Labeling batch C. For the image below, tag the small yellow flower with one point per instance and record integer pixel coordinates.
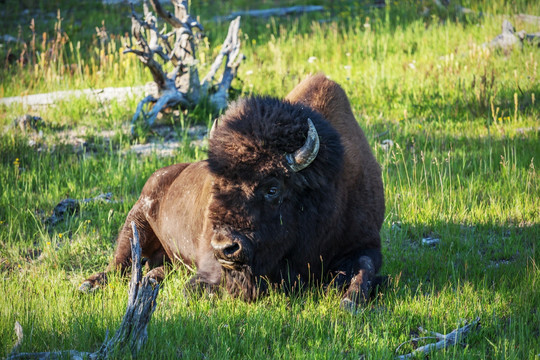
(48, 243)
(60, 235)
(19, 265)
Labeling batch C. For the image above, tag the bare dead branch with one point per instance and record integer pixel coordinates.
(132, 333)
(146, 55)
(230, 43)
(292, 10)
(19, 332)
(443, 341)
(168, 99)
(166, 15)
(533, 19)
(143, 292)
(231, 51)
(180, 86)
(67, 354)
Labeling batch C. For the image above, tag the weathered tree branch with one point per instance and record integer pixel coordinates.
(143, 292)
(181, 86)
(132, 333)
(231, 51)
(443, 341)
(265, 13)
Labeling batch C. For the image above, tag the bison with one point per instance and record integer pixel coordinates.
(290, 194)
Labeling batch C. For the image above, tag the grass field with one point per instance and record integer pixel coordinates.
(464, 121)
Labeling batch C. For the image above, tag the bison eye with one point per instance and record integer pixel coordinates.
(271, 193)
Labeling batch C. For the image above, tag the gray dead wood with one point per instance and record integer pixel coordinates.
(443, 341)
(132, 333)
(265, 13)
(533, 19)
(69, 207)
(507, 38)
(181, 85)
(533, 38)
(50, 99)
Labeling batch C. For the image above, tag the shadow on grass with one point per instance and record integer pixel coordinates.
(474, 253)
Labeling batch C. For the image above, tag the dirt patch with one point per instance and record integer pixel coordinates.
(164, 140)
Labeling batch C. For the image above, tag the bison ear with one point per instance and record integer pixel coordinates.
(213, 129)
(304, 156)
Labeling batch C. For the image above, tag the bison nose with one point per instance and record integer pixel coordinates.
(228, 251)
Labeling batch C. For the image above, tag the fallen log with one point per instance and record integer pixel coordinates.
(533, 19)
(99, 95)
(266, 13)
(132, 333)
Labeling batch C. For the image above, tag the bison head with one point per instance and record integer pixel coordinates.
(276, 167)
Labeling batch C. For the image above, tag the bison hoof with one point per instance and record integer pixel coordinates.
(88, 287)
(349, 305)
(157, 275)
(93, 283)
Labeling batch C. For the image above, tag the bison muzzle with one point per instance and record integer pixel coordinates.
(290, 194)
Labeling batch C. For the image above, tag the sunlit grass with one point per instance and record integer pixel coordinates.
(462, 168)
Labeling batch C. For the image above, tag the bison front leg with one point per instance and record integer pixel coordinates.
(150, 246)
(359, 275)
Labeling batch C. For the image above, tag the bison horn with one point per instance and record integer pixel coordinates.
(213, 129)
(302, 157)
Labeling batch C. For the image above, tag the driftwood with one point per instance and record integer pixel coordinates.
(180, 86)
(443, 341)
(265, 13)
(533, 19)
(132, 333)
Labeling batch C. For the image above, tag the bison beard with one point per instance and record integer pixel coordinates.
(243, 284)
(290, 194)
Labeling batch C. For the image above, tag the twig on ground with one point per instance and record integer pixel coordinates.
(443, 341)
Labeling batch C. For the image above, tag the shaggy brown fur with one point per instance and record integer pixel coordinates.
(245, 218)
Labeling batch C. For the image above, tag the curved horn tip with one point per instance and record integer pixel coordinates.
(213, 129)
(304, 156)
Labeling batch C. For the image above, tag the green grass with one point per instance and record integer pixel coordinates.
(465, 125)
